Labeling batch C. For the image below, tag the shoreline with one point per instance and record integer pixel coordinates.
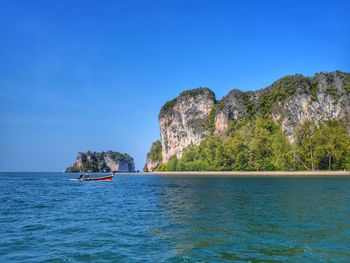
(253, 173)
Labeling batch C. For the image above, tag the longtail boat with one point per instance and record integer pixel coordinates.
(104, 178)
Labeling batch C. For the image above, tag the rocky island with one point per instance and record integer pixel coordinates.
(102, 162)
(296, 123)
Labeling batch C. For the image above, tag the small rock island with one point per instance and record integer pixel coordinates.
(102, 162)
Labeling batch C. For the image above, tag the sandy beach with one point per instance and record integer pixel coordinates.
(260, 173)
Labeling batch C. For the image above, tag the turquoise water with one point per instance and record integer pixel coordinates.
(45, 217)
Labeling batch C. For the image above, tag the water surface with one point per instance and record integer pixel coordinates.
(45, 217)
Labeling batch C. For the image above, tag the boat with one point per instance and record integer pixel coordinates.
(104, 178)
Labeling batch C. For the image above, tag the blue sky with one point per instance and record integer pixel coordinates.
(92, 75)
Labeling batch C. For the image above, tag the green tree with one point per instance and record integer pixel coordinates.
(238, 150)
(305, 145)
(171, 165)
(332, 145)
(283, 157)
(346, 163)
(260, 147)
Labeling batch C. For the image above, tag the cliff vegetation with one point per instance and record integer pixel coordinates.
(296, 123)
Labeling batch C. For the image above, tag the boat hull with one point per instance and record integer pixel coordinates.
(105, 178)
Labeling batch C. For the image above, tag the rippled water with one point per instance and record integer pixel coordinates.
(45, 217)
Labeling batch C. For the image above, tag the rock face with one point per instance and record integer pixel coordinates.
(154, 157)
(329, 100)
(231, 107)
(102, 162)
(290, 101)
(182, 121)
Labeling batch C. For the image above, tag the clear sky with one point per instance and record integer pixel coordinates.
(92, 75)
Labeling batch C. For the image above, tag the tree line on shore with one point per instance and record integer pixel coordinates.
(260, 145)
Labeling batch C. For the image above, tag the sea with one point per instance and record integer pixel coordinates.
(48, 217)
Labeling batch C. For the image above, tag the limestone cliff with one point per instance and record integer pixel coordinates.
(102, 162)
(231, 107)
(154, 157)
(182, 121)
(290, 101)
(323, 97)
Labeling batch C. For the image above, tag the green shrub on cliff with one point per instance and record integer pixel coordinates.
(197, 91)
(155, 154)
